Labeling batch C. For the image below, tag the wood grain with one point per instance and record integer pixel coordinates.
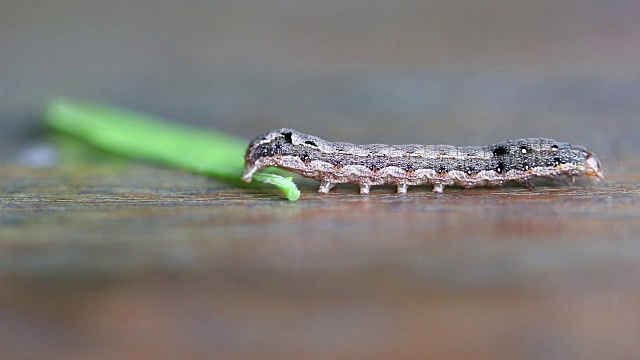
(141, 262)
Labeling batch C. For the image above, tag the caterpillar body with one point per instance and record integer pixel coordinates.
(333, 163)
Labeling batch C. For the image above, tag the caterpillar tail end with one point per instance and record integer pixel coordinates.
(593, 169)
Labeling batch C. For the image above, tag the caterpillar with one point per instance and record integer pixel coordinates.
(333, 163)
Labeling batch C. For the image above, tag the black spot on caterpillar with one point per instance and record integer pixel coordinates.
(403, 165)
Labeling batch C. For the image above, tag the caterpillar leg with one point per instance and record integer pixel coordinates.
(364, 189)
(402, 188)
(569, 181)
(249, 170)
(528, 184)
(438, 188)
(325, 186)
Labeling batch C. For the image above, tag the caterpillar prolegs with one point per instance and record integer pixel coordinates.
(333, 163)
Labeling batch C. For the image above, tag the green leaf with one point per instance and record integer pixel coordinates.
(212, 153)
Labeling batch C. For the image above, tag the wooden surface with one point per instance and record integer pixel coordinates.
(133, 261)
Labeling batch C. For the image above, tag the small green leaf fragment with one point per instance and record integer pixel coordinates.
(286, 185)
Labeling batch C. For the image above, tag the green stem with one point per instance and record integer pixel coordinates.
(125, 133)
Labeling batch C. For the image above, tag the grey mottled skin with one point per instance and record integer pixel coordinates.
(403, 165)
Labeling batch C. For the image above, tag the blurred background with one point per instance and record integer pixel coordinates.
(207, 277)
(461, 72)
